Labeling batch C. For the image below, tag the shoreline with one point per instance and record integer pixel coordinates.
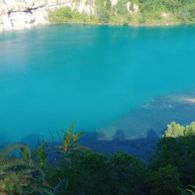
(133, 25)
(129, 24)
(149, 24)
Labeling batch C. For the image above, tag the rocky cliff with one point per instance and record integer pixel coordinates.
(20, 14)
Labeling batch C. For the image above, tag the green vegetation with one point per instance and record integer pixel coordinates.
(66, 15)
(79, 170)
(168, 172)
(176, 130)
(70, 139)
(134, 12)
(40, 155)
(190, 190)
(177, 149)
(19, 174)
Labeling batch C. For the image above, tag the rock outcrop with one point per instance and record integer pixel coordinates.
(20, 14)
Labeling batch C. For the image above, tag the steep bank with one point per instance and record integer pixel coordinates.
(131, 12)
(20, 14)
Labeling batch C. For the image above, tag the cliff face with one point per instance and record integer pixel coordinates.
(20, 14)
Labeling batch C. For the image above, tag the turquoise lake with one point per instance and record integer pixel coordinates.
(90, 75)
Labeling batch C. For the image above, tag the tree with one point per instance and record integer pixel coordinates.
(174, 130)
(165, 181)
(88, 174)
(177, 151)
(130, 175)
(190, 130)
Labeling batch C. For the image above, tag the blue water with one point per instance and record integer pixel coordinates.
(90, 75)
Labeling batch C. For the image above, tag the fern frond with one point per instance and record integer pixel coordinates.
(25, 151)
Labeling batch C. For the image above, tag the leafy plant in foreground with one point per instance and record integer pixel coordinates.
(19, 174)
(68, 147)
(190, 190)
(40, 155)
(70, 140)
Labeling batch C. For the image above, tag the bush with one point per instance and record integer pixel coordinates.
(165, 181)
(150, 11)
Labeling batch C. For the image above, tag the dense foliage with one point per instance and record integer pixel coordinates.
(19, 174)
(78, 170)
(150, 12)
(87, 172)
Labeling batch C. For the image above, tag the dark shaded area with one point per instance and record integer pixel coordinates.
(72, 169)
(178, 152)
(156, 114)
(142, 148)
(168, 172)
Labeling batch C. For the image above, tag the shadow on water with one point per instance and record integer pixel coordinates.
(136, 134)
(140, 147)
(155, 114)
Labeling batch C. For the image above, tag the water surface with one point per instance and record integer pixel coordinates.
(90, 75)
